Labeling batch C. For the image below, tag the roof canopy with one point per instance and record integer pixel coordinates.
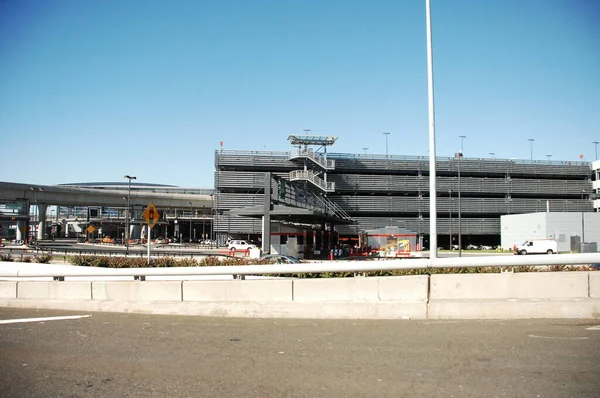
(311, 140)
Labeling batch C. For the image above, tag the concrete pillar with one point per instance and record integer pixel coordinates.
(41, 228)
(20, 224)
(135, 231)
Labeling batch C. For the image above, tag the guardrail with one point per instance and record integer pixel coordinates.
(172, 252)
(6, 270)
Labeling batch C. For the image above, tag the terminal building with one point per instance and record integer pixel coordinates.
(317, 199)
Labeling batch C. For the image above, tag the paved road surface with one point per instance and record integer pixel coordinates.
(133, 355)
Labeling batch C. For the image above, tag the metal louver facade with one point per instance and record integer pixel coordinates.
(379, 190)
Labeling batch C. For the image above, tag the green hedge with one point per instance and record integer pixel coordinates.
(164, 262)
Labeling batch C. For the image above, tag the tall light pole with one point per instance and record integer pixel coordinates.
(127, 213)
(462, 141)
(365, 149)
(450, 212)
(548, 156)
(190, 239)
(386, 144)
(492, 155)
(458, 156)
(530, 149)
(433, 246)
(582, 221)
(596, 147)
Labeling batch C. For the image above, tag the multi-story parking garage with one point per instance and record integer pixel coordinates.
(379, 191)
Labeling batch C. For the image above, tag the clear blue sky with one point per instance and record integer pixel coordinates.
(96, 89)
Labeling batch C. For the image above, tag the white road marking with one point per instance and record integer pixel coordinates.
(558, 338)
(597, 327)
(51, 318)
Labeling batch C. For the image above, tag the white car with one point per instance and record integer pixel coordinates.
(240, 245)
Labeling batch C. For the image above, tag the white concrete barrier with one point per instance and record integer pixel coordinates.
(268, 290)
(373, 289)
(595, 284)
(137, 291)
(532, 285)
(54, 290)
(514, 309)
(8, 289)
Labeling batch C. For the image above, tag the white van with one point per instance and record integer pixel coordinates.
(538, 246)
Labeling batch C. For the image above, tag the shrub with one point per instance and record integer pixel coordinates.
(25, 259)
(89, 261)
(6, 257)
(164, 262)
(43, 258)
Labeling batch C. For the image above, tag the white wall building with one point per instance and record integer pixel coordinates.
(517, 228)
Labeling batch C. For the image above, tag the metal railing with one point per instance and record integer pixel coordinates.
(8, 269)
(307, 153)
(313, 178)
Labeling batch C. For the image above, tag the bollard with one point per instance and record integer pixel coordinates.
(331, 255)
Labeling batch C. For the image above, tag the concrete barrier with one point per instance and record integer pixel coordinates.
(238, 290)
(514, 309)
(8, 289)
(533, 285)
(594, 284)
(54, 290)
(452, 296)
(147, 291)
(374, 289)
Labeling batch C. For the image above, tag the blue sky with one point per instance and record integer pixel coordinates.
(93, 90)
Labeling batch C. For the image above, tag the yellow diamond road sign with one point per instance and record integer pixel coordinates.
(90, 229)
(151, 215)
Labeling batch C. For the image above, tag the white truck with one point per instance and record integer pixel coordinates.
(537, 246)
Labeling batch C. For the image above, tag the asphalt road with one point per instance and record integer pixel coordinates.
(133, 355)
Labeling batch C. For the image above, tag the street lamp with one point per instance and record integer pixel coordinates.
(462, 139)
(548, 156)
(596, 147)
(127, 213)
(386, 144)
(36, 212)
(458, 156)
(365, 149)
(190, 239)
(582, 221)
(450, 212)
(530, 149)
(492, 155)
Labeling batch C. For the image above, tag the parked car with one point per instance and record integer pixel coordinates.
(281, 259)
(472, 247)
(240, 245)
(484, 247)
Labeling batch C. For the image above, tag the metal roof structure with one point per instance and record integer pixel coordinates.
(311, 140)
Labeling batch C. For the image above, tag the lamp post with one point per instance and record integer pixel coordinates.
(531, 149)
(458, 156)
(365, 149)
(450, 212)
(127, 213)
(190, 239)
(36, 212)
(492, 155)
(582, 221)
(386, 144)
(548, 157)
(596, 148)
(462, 140)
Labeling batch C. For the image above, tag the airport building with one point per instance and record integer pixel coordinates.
(380, 191)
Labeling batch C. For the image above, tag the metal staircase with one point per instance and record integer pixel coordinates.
(316, 158)
(313, 178)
